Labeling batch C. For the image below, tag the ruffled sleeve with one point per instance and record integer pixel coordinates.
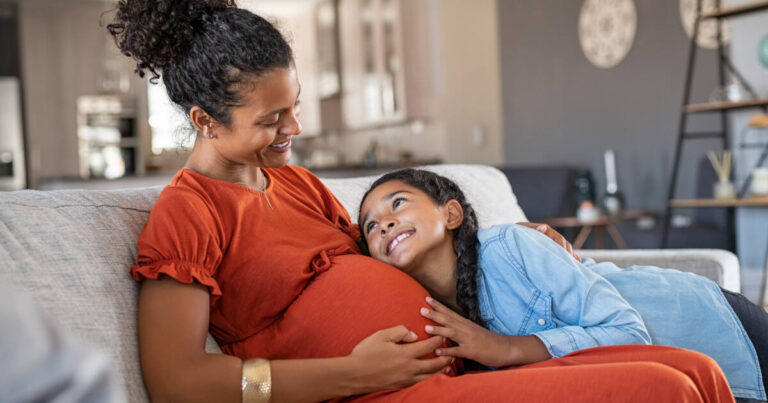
(181, 240)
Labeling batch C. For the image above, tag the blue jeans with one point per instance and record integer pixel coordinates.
(755, 322)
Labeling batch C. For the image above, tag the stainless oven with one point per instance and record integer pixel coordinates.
(12, 168)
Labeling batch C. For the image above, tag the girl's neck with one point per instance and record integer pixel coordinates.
(437, 274)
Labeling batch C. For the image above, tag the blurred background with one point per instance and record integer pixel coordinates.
(540, 88)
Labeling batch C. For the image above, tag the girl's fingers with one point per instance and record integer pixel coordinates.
(442, 318)
(435, 304)
(439, 307)
(442, 331)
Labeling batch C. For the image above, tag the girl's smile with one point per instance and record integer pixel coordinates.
(398, 240)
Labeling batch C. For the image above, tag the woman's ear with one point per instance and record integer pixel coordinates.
(454, 214)
(202, 121)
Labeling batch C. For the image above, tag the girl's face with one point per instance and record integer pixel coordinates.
(404, 226)
(260, 130)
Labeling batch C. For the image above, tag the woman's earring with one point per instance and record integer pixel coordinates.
(211, 134)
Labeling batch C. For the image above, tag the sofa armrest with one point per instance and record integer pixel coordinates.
(719, 265)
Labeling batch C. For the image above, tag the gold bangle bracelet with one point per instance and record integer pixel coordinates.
(257, 381)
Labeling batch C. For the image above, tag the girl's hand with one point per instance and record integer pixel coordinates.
(553, 235)
(480, 344)
(390, 359)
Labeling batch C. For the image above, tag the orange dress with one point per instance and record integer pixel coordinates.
(287, 280)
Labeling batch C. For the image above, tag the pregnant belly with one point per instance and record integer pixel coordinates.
(340, 307)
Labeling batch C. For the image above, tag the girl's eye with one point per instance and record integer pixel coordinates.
(397, 202)
(369, 227)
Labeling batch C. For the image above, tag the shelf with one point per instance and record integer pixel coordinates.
(722, 106)
(761, 201)
(603, 220)
(734, 11)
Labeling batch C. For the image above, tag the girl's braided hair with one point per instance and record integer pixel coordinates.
(441, 190)
(205, 49)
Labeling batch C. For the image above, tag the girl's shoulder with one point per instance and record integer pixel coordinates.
(500, 232)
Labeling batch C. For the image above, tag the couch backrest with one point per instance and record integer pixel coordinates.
(71, 249)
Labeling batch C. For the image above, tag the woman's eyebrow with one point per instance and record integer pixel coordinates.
(385, 198)
(278, 111)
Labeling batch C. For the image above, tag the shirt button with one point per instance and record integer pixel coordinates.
(542, 322)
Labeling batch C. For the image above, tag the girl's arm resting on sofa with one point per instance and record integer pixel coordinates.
(173, 326)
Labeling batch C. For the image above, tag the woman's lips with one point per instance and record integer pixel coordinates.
(398, 240)
(281, 147)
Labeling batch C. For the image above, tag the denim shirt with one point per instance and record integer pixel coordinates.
(528, 285)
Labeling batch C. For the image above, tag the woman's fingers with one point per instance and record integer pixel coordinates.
(432, 365)
(451, 352)
(424, 347)
(553, 235)
(398, 333)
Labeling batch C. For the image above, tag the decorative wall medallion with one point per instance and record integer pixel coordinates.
(607, 30)
(707, 28)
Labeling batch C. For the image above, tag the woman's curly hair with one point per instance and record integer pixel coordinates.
(204, 50)
(441, 190)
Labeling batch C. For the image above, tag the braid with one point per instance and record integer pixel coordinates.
(441, 190)
(466, 265)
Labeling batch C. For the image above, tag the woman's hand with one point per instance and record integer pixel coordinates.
(479, 344)
(553, 235)
(390, 359)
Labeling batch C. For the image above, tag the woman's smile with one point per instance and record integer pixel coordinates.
(281, 147)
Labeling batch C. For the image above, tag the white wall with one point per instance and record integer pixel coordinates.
(470, 100)
(62, 52)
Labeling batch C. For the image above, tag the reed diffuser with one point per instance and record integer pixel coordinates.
(721, 163)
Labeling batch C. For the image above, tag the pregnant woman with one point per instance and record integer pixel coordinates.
(264, 257)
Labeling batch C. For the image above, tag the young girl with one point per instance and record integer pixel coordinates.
(527, 300)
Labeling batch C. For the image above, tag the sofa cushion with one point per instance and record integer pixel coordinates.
(486, 188)
(72, 250)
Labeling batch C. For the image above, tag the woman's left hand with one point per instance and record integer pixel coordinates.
(474, 342)
(553, 235)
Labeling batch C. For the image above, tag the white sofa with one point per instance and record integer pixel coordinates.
(71, 250)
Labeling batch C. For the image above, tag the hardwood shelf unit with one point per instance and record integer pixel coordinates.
(725, 67)
(725, 106)
(746, 202)
(735, 11)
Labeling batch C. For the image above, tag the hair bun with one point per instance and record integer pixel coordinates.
(157, 32)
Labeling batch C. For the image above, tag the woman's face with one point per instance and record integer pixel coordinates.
(403, 225)
(260, 130)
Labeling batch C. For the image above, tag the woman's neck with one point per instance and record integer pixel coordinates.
(206, 161)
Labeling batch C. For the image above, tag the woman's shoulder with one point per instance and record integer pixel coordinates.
(293, 174)
(189, 190)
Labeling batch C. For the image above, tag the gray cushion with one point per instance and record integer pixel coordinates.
(72, 250)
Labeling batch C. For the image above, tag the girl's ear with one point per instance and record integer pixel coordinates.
(454, 214)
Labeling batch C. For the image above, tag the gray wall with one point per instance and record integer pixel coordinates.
(559, 108)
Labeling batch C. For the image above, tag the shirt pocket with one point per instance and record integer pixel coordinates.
(539, 314)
